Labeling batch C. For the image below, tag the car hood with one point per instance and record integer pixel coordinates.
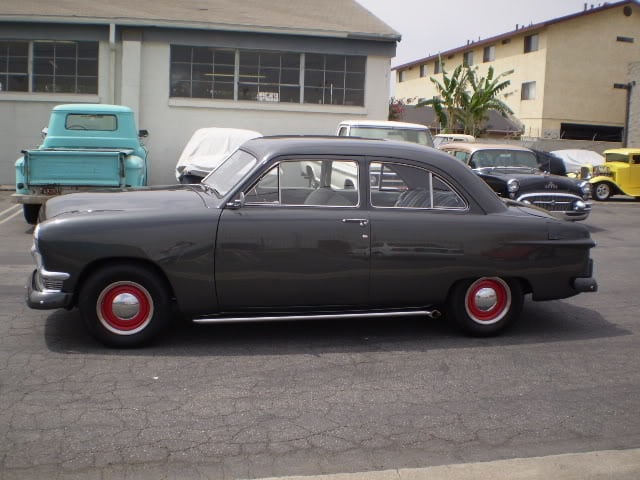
(160, 199)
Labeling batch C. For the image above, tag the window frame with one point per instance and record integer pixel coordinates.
(433, 177)
(528, 90)
(532, 43)
(307, 78)
(489, 54)
(50, 65)
(467, 59)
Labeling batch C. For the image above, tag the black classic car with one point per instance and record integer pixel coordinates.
(305, 228)
(513, 172)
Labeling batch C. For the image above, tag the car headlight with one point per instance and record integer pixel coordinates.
(586, 189)
(513, 185)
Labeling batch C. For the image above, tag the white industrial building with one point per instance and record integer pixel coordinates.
(278, 67)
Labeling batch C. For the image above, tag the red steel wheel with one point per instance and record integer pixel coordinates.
(487, 305)
(488, 300)
(124, 308)
(125, 305)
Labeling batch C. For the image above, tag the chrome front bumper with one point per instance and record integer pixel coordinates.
(41, 298)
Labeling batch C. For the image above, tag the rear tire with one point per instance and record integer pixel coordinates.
(125, 305)
(31, 211)
(485, 306)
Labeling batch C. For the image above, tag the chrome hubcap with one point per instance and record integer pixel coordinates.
(125, 306)
(486, 299)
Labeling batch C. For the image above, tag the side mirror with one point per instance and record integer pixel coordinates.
(237, 202)
(143, 133)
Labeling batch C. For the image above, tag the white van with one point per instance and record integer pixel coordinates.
(406, 132)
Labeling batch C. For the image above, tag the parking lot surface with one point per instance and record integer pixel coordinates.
(324, 397)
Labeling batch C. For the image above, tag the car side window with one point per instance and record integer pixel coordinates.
(308, 182)
(406, 186)
(462, 156)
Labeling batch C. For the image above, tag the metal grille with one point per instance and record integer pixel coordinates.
(552, 203)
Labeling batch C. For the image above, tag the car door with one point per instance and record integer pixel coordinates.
(417, 240)
(300, 240)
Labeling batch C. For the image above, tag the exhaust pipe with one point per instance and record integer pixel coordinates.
(434, 313)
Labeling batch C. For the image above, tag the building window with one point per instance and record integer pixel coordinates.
(489, 53)
(248, 75)
(528, 91)
(334, 79)
(437, 66)
(424, 71)
(402, 76)
(531, 43)
(625, 39)
(269, 77)
(467, 59)
(56, 67)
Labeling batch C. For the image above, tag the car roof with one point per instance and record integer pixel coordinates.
(91, 108)
(623, 151)
(382, 124)
(473, 147)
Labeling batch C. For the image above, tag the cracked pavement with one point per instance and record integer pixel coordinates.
(267, 400)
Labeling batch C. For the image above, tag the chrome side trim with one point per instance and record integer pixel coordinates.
(432, 313)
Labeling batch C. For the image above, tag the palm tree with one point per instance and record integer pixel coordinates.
(446, 103)
(483, 97)
(464, 98)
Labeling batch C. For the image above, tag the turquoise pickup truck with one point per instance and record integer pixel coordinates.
(86, 147)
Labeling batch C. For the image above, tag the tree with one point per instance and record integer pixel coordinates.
(465, 98)
(484, 96)
(446, 103)
(396, 109)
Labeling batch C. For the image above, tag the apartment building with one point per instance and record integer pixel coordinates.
(570, 74)
(270, 66)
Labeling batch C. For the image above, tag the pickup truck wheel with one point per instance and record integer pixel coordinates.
(31, 212)
(124, 305)
(487, 305)
(602, 191)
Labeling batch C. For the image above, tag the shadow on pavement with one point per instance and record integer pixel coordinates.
(557, 321)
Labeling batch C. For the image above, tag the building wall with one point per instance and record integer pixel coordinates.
(584, 61)
(633, 135)
(134, 71)
(575, 67)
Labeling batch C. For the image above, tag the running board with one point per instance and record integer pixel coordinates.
(432, 313)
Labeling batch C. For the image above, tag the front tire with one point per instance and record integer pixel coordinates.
(602, 191)
(487, 305)
(31, 211)
(125, 305)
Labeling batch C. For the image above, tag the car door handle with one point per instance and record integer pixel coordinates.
(362, 221)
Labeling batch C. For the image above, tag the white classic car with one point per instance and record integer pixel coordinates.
(206, 149)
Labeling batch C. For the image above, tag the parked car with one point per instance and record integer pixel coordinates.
(619, 175)
(401, 131)
(206, 149)
(85, 147)
(513, 172)
(550, 163)
(445, 138)
(252, 242)
(578, 162)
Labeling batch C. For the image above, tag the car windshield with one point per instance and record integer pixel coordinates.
(230, 172)
(504, 158)
(422, 137)
(616, 157)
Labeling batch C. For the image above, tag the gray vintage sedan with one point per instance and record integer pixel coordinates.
(305, 228)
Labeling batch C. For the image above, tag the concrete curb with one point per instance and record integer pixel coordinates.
(601, 465)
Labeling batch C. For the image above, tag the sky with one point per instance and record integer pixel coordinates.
(428, 27)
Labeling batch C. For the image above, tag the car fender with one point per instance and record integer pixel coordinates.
(615, 188)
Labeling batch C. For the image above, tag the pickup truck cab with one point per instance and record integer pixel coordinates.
(86, 146)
